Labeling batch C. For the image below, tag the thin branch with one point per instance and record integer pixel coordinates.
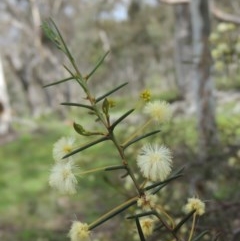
(226, 17)
(217, 13)
(36, 23)
(174, 2)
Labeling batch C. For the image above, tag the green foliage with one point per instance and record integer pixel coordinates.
(225, 44)
(170, 95)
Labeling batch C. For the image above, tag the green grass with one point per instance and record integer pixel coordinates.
(28, 204)
(23, 158)
(24, 166)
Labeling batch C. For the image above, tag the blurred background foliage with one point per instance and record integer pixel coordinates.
(151, 48)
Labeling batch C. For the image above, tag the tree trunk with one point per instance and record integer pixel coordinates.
(205, 104)
(5, 112)
(182, 46)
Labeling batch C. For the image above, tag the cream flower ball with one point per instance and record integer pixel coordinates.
(79, 231)
(155, 162)
(63, 147)
(195, 204)
(62, 177)
(159, 111)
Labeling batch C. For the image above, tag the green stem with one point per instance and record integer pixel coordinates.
(107, 168)
(98, 113)
(113, 212)
(193, 227)
(122, 155)
(161, 209)
(166, 225)
(136, 133)
(93, 170)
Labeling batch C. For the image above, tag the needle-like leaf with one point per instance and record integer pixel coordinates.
(139, 215)
(140, 138)
(162, 184)
(121, 118)
(139, 228)
(97, 65)
(200, 235)
(110, 92)
(184, 220)
(78, 105)
(58, 82)
(86, 146)
(115, 168)
(113, 212)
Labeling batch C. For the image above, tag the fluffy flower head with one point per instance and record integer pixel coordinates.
(62, 147)
(195, 204)
(159, 111)
(79, 232)
(155, 162)
(62, 177)
(147, 202)
(147, 225)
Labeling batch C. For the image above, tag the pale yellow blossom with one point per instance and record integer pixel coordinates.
(159, 111)
(63, 147)
(147, 225)
(145, 95)
(195, 204)
(147, 201)
(79, 232)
